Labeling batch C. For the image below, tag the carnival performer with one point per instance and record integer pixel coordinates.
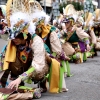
(18, 54)
(88, 28)
(96, 28)
(51, 41)
(92, 28)
(41, 65)
(38, 60)
(74, 37)
(80, 22)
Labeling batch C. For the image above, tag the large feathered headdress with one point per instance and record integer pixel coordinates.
(97, 17)
(90, 20)
(70, 12)
(23, 16)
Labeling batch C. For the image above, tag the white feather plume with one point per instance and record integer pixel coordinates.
(15, 17)
(54, 21)
(75, 17)
(94, 3)
(63, 10)
(31, 28)
(40, 14)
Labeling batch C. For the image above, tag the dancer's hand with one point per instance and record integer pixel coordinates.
(14, 83)
(88, 48)
(64, 57)
(67, 58)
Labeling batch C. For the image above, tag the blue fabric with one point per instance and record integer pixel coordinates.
(33, 36)
(52, 29)
(46, 48)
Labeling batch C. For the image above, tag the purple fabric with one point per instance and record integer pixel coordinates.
(82, 46)
(51, 56)
(87, 41)
(62, 56)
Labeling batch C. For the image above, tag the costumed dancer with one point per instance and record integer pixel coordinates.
(21, 25)
(96, 28)
(88, 28)
(51, 41)
(73, 36)
(78, 39)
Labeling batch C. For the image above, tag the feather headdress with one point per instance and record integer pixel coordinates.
(70, 12)
(90, 20)
(25, 18)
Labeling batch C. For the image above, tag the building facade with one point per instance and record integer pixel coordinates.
(98, 3)
(3, 2)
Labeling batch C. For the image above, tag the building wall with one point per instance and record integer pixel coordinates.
(3, 2)
(98, 3)
(48, 3)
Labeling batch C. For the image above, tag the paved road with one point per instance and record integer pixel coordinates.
(83, 85)
(2, 43)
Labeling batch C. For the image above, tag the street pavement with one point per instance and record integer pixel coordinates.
(83, 85)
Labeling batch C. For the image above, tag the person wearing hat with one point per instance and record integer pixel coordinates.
(89, 29)
(18, 57)
(97, 22)
(75, 40)
(41, 64)
(48, 33)
(39, 67)
(51, 41)
(96, 28)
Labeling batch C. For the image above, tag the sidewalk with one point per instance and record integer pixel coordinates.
(4, 37)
